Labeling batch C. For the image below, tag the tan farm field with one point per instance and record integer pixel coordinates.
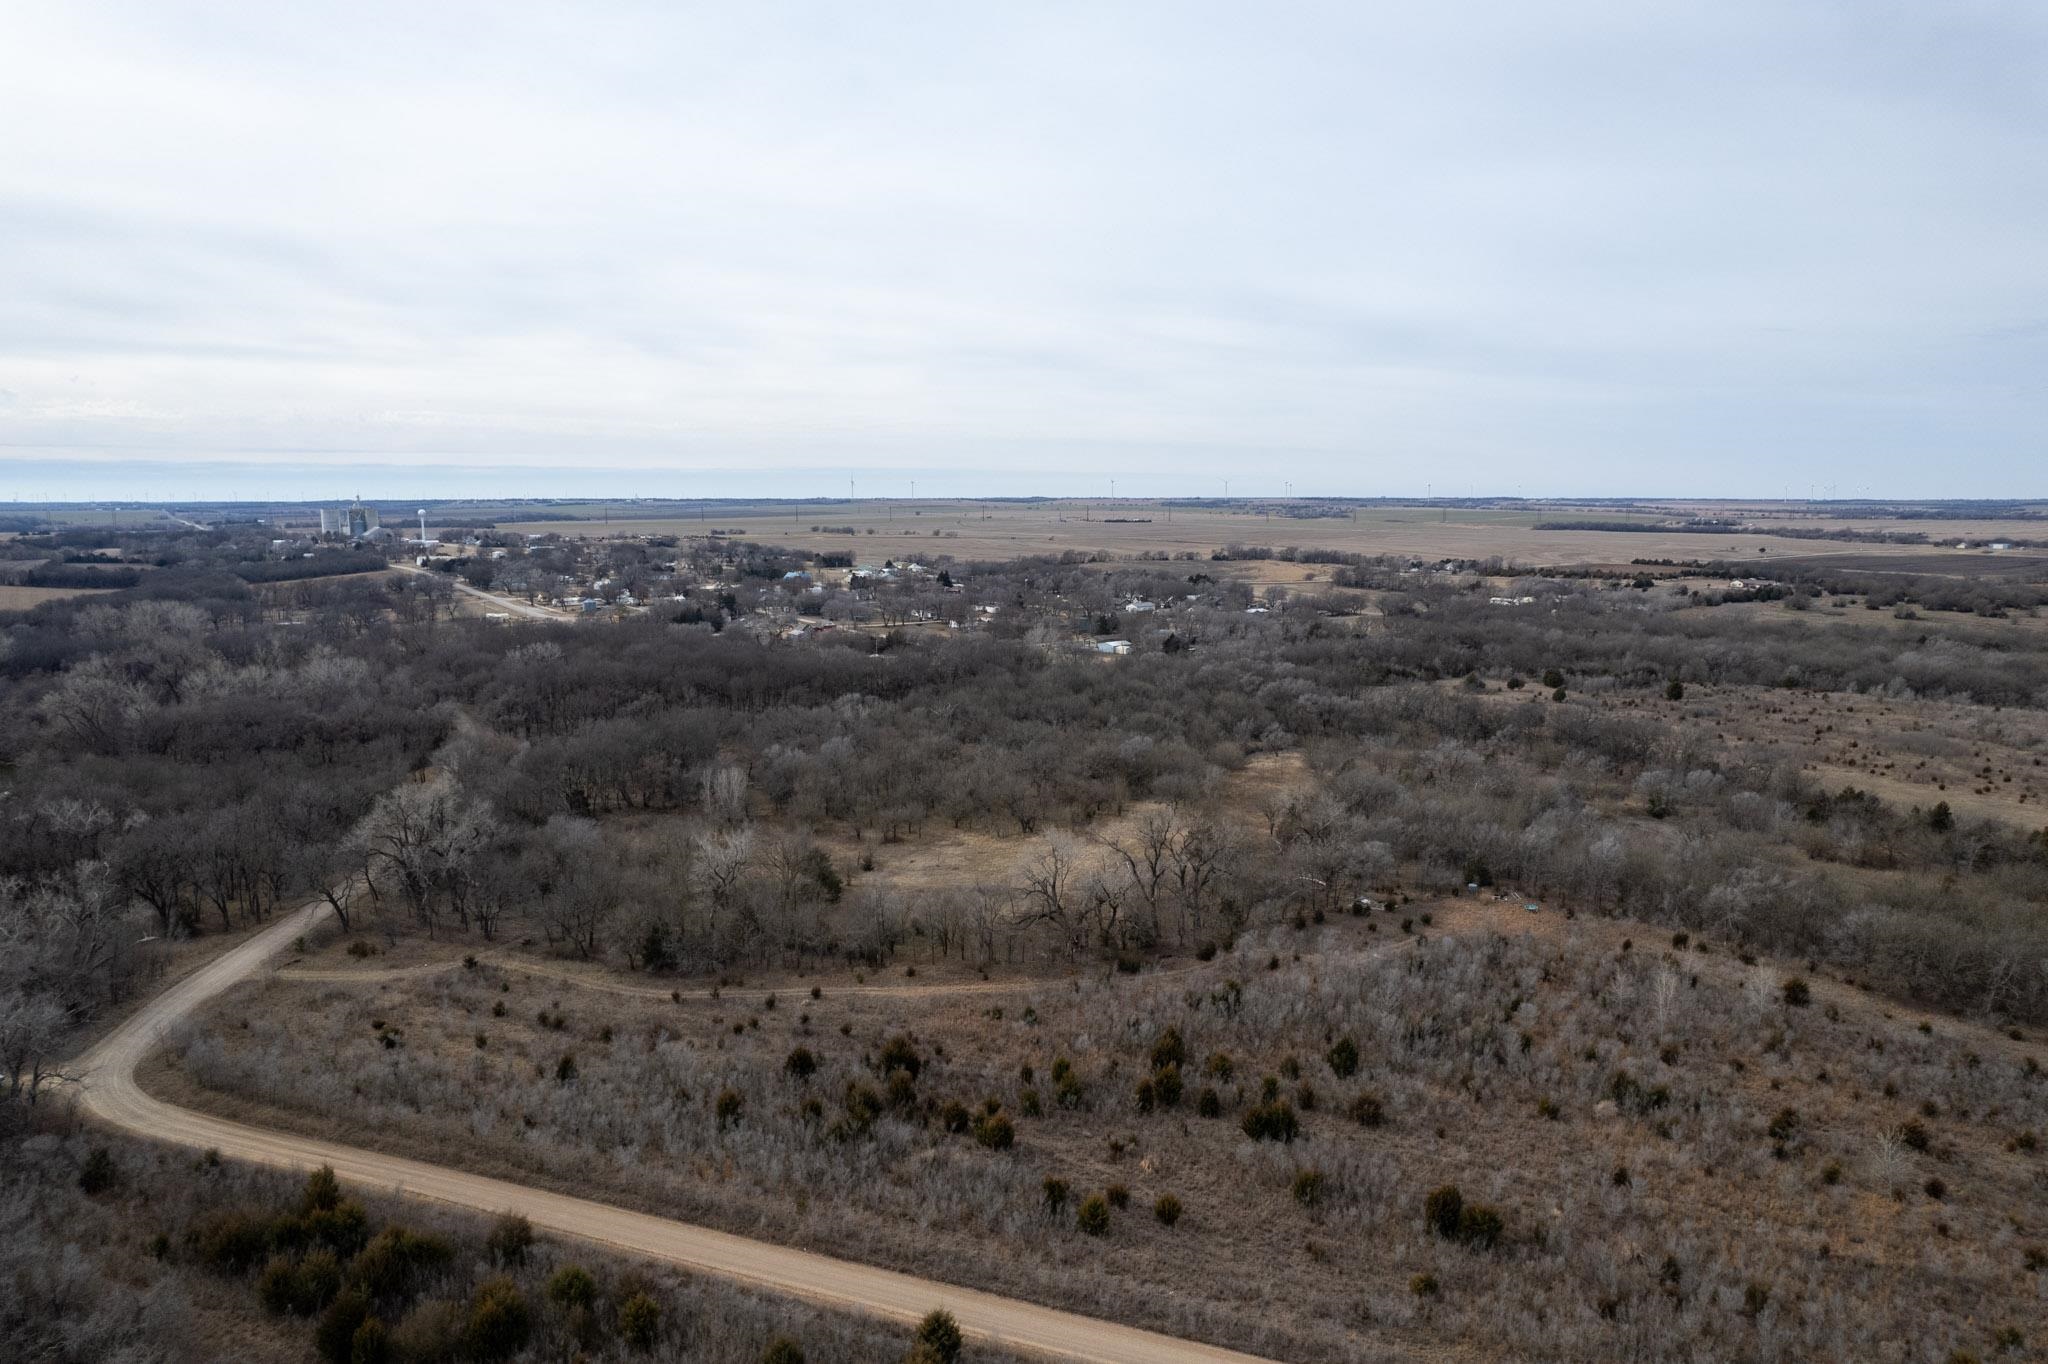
(23, 598)
(1009, 530)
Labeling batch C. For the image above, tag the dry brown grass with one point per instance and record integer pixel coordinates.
(90, 1279)
(1909, 752)
(24, 598)
(942, 858)
(1851, 614)
(1990, 764)
(1333, 1278)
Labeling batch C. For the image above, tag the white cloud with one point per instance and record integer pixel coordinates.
(1577, 247)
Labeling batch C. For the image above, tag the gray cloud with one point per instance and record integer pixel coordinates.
(1577, 247)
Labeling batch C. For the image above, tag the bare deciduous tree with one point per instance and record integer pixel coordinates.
(31, 1028)
(721, 862)
(1054, 892)
(724, 792)
(425, 836)
(1147, 858)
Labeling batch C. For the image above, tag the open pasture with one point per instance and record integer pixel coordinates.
(1009, 530)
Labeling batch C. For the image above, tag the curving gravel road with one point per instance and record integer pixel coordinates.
(110, 1094)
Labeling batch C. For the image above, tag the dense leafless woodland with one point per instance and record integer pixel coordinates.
(704, 786)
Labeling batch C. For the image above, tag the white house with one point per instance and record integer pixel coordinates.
(1113, 646)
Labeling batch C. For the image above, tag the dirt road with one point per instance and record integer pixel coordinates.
(110, 1094)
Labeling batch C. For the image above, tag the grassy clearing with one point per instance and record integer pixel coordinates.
(27, 598)
(1626, 1102)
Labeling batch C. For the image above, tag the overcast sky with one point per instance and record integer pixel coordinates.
(1727, 248)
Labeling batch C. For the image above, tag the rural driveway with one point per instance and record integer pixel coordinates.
(110, 1094)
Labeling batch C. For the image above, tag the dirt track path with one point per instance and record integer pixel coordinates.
(110, 1094)
(597, 978)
